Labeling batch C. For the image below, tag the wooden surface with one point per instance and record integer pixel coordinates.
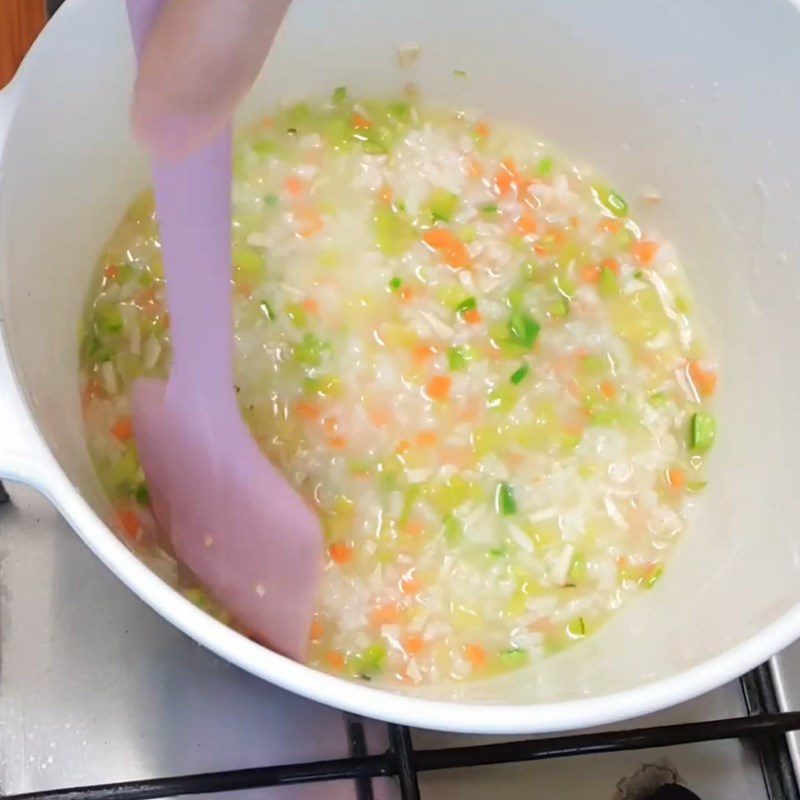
(20, 22)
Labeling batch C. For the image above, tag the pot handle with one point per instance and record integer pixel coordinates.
(23, 454)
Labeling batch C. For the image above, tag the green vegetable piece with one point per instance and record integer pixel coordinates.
(108, 319)
(576, 628)
(468, 234)
(519, 374)
(270, 200)
(339, 95)
(393, 232)
(267, 310)
(654, 578)
(577, 570)
(453, 530)
(524, 329)
(611, 200)
(264, 147)
(544, 167)
(459, 73)
(400, 111)
(593, 363)
(490, 210)
(142, 495)
(514, 657)
(702, 432)
(458, 358)
(311, 350)
(658, 399)
(468, 304)
(529, 271)
(371, 660)
(443, 205)
(559, 308)
(504, 501)
(395, 284)
(248, 265)
(608, 284)
(375, 141)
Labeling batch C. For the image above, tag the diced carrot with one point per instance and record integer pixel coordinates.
(414, 528)
(440, 239)
(704, 380)
(590, 274)
(676, 479)
(413, 644)
(406, 294)
(311, 306)
(540, 249)
(482, 129)
(403, 446)
(386, 615)
(380, 417)
(610, 264)
(503, 183)
(558, 237)
(574, 223)
(310, 223)
(426, 438)
(330, 424)
(294, 185)
(526, 224)
(340, 552)
(457, 256)
(122, 429)
(610, 225)
(316, 630)
(129, 522)
(608, 390)
(306, 410)
(472, 316)
(439, 386)
(335, 660)
(423, 353)
(411, 586)
(476, 655)
(474, 168)
(386, 194)
(337, 442)
(111, 272)
(645, 252)
(361, 123)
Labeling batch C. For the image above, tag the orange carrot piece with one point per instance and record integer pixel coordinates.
(423, 353)
(474, 168)
(574, 223)
(386, 194)
(609, 225)
(440, 239)
(610, 264)
(439, 386)
(129, 522)
(590, 274)
(414, 528)
(403, 446)
(122, 430)
(526, 224)
(645, 252)
(411, 586)
(316, 630)
(608, 390)
(335, 660)
(476, 655)
(111, 272)
(294, 185)
(482, 129)
(704, 380)
(306, 411)
(676, 479)
(386, 615)
(340, 552)
(337, 442)
(413, 644)
(380, 417)
(361, 123)
(426, 439)
(311, 306)
(472, 316)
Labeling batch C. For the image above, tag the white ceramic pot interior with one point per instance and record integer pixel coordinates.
(699, 100)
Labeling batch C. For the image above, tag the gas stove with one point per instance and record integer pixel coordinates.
(101, 698)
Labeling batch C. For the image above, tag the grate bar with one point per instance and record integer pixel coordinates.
(390, 763)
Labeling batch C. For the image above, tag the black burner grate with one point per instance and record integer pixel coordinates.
(764, 728)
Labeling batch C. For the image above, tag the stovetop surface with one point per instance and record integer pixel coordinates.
(95, 687)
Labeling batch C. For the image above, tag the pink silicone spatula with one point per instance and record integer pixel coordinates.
(248, 538)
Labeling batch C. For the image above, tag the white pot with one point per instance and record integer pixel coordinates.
(698, 99)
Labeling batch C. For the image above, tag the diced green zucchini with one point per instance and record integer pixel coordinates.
(702, 432)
